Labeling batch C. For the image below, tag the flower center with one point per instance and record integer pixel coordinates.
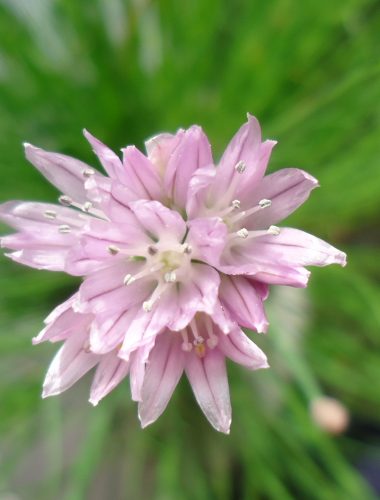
(162, 262)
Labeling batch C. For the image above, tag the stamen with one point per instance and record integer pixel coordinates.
(152, 250)
(212, 341)
(113, 249)
(66, 201)
(50, 214)
(240, 167)
(147, 305)
(88, 172)
(235, 204)
(170, 277)
(64, 229)
(274, 230)
(187, 248)
(264, 203)
(128, 279)
(186, 345)
(242, 233)
(87, 206)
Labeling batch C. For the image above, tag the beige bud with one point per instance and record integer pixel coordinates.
(330, 414)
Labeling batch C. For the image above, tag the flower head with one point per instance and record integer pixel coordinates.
(176, 256)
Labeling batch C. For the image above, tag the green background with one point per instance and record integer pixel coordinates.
(127, 70)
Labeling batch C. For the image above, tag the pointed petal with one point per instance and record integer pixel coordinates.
(165, 367)
(109, 160)
(241, 299)
(109, 373)
(108, 330)
(69, 364)
(141, 176)
(240, 348)
(244, 147)
(293, 248)
(158, 220)
(65, 173)
(251, 178)
(104, 290)
(287, 189)
(199, 185)
(208, 379)
(34, 217)
(197, 294)
(63, 322)
(147, 325)
(207, 237)
(192, 152)
(139, 360)
(159, 149)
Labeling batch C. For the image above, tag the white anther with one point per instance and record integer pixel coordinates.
(113, 249)
(212, 342)
(274, 230)
(65, 200)
(170, 277)
(128, 279)
(242, 233)
(187, 248)
(152, 250)
(240, 167)
(235, 204)
(88, 172)
(198, 341)
(87, 206)
(147, 305)
(64, 229)
(264, 203)
(50, 214)
(186, 346)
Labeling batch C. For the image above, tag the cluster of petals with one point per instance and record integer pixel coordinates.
(176, 256)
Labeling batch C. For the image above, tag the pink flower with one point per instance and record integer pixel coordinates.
(176, 256)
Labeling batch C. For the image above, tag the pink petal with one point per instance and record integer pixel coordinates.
(139, 360)
(165, 367)
(208, 379)
(146, 325)
(293, 248)
(70, 363)
(244, 147)
(160, 148)
(207, 237)
(63, 322)
(193, 152)
(104, 290)
(109, 373)
(198, 294)
(240, 348)
(65, 173)
(250, 180)
(109, 160)
(108, 330)
(32, 217)
(241, 299)
(141, 176)
(199, 186)
(159, 221)
(287, 189)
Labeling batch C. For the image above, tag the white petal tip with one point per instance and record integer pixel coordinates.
(94, 401)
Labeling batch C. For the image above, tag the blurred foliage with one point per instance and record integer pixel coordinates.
(127, 70)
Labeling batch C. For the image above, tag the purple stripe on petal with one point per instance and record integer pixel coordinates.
(165, 367)
(208, 379)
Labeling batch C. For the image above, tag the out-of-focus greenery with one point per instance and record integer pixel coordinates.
(126, 70)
